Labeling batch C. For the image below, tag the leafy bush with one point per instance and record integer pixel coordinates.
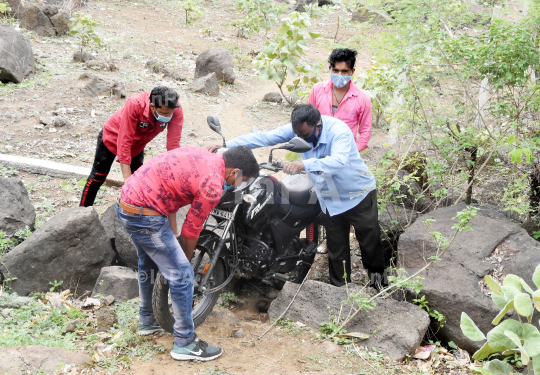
(260, 14)
(83, 27)
(283, 56)
(509, 336)
(192, 10)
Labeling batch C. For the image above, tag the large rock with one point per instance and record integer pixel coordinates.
(206, 85)
(34, 19)
(17, 58)
(120, 282)
(215, 60)
(16, 211)
(273, 97)
(396, 218)
(399, 326)
(60, 22)
(71, 246)
(38, 359)
(453, 285)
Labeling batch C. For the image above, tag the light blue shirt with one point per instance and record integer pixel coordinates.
(340, 176)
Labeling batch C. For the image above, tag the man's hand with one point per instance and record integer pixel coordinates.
(294, 167)
(126, 171)
(188, 245)
(213, 148)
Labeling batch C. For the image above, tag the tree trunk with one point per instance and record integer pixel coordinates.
(472, 165)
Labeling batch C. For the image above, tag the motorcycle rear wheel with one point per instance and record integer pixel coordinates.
(202, 303)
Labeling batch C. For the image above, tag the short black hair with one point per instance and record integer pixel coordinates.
(242, 157)
(305, 113)
(162, 95)
(343, 55)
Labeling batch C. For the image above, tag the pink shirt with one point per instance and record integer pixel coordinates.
(187, 175)
(354, 110)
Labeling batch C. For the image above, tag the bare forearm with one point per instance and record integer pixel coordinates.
(188, 245)
(126, 171)
(172, 223)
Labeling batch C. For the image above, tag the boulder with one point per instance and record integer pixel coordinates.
(395, 328)
(106, 319)
(206, 85)
(120, 282)
(496, 246)
(17, 7)
(16, 211)
(38, 359)
(82, 56)
(60, 22)
(50, 10)
(158, 67)
(17, 58)
(273, 97)
(71, 246)
(120, 239)
(215, 60)
(98, 87)
(34, 19)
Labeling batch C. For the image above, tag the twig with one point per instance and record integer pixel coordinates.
(365, 360)
(287, 309)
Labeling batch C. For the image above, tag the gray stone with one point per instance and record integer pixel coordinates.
(215, 60)
(82, 56)
(240, 334)
(98, 87)
(34, 19)
(117, 281)
(330, 348)
(365, 15)
(106, 319)
(120, 239)
(410, 193)
(17, 58)
(34, 359)
(495, 246)
(109, 300)
(71, 246)
(61, 22)
(100, 64)
(273, 97)
(395, 328)
(16, 211)
(50, 10)
(61, 121)
(158, 67)
(224, 317)
(72, 325)
(17, 7)
(117, 90)
(206, 85)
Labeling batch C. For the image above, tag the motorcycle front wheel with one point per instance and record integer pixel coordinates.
(202, 303)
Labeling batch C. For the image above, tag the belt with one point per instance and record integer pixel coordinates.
(136, 210)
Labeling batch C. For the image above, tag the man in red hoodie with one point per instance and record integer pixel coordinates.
(128, 131)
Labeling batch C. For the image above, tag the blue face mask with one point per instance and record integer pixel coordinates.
(225, 186)
(339, 81)
(162, 119)
(314, 138)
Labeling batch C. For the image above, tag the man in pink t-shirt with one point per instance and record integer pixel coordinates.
(147, 209)
(342, 99)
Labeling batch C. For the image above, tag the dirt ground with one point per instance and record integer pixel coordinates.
(133, 33)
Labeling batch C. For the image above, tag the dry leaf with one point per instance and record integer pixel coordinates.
(424, 352)
(352, 335)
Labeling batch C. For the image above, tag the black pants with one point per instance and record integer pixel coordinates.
(100, 169)
(364, 218)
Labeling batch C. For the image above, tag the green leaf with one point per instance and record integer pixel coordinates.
(263, 75)
(484, 352)
(283, 29)
(470, 329)
(523, 304)
(536, 277)
(314, 35)
(509, 292)
(289, 65)
(516, 340)
(531, 338)
(497, 367)
(536, 364)
(526, 286)
(498, 340)
(512, 280)
(492, 284)
(536, 299)
(509, 306)
(499, 300)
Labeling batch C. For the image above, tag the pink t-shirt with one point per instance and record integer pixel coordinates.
(354, 110)
(187, 175)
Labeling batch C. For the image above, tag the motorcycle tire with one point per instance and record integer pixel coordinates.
(203, 304)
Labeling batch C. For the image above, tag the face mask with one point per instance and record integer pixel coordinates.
(162, 118)
(339, 81)
(314, 138)
(225, 186)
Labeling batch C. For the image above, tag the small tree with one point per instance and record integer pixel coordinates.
(83, 27)
(260, 14)
(284, 56)
(192, 9)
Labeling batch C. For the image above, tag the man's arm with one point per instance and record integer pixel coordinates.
(364, 123)
(255, 140)
(338, 158)
(174, 129)
(126, 171)
(173, 225)
(126, 133)
(188, 245)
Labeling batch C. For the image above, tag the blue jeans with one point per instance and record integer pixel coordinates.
(158, 249)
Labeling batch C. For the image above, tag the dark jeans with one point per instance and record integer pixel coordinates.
(100, 169)
(364, 219)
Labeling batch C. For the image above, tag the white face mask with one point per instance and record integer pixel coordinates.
(339, 81)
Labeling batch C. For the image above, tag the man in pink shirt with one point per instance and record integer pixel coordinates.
(342, 99)
(147, 209)
(128, 131)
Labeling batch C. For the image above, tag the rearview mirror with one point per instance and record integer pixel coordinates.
(214, 124)
(298, 145)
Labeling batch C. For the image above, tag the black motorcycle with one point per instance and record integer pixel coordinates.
(256, 231)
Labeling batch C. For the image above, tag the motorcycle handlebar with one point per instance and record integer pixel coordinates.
(275, 166)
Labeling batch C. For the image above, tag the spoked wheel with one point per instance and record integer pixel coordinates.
(202, 303)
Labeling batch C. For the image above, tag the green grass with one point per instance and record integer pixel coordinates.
(42, 79)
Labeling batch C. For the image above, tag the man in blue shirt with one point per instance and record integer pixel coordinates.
(343, 183)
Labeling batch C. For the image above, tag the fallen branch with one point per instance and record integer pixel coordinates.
(287, 309)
